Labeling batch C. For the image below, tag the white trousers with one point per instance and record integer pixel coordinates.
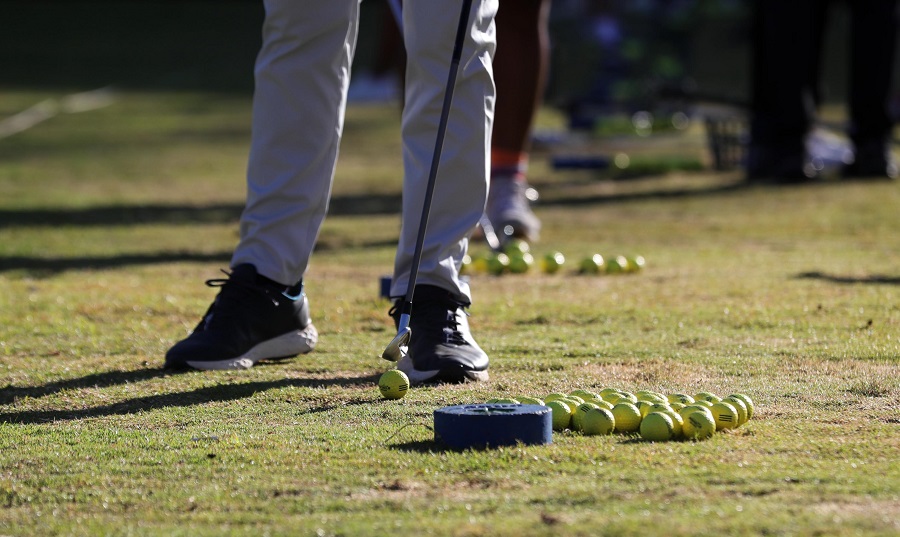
(302, 74)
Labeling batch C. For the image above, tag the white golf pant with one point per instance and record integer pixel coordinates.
(302, 75)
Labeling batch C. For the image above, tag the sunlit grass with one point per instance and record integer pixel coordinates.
(111, 220)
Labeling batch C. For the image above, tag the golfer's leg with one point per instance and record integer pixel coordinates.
(873, 49)
(785, 51)
(461, 188)
(302, 74)
(520, 72)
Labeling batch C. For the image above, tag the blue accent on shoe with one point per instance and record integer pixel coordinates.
(298, 296)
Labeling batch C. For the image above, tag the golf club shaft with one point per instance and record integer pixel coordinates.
(406, 310)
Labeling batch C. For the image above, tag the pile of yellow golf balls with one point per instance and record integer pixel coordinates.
(516, 258)
(653, 415)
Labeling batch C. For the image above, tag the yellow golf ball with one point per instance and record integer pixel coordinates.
(740, 406)
(677, 422)
(726, 416)
(707, 396)
(561, 414)
(584, 394)
(553, 396)
(644, 406)
(628, 417)
(698, 426)
(552, 262)
(578, 415)
(657, 427)
(682, 398)
(598, 421)
(686, 411)
(393, 384)
(747, 401)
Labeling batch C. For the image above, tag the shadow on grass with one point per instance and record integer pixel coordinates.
(225, 213)
(51, 265)
(9, 394)
(211, 394)
(656, 194)
(48, 266)
(428, 446)
(834, 278)
(222, 213)
(420, 446)
(344, 205)
(126, 215)
(351, 205)
(121, 215)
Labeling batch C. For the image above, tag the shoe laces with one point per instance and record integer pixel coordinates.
(234, 294)
(452, 334)
(437, 314)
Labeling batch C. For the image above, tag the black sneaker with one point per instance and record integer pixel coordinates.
(441, 348)
(789, 164)
(251, 319)
(872, 161)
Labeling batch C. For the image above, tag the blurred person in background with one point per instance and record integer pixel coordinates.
(787, 58)
(520, 72)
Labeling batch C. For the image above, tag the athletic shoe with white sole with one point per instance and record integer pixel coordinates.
(441, 348)
(509, 209)
(251, 319)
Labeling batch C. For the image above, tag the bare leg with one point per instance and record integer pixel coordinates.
(520, 72)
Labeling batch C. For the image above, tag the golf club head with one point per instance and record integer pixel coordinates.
(396, 349)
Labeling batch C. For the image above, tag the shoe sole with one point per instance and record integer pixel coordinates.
(450, 375)
(283, 346)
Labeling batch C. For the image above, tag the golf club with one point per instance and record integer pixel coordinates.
(490, 236)
(396, 349)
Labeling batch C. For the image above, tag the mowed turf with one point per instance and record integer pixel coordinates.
(111, 220)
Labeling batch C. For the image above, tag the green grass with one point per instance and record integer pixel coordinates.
(111, 220)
